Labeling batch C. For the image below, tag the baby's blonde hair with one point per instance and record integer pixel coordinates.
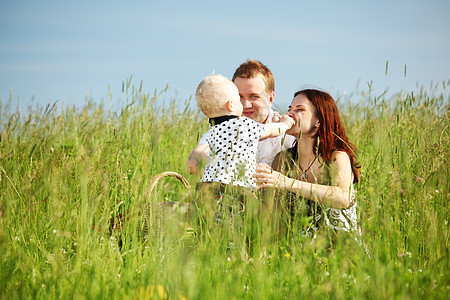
(213, 93)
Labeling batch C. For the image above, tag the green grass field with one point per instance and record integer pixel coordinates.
(64, 173)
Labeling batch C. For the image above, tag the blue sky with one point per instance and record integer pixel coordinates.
(64, 50)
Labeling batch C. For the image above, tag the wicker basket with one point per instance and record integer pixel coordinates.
(154, 213)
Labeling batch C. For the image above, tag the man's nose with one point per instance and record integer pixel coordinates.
(246, 103)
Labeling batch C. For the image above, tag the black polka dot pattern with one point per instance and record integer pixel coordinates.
(233, 145)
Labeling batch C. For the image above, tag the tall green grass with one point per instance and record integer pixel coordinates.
(65, 172)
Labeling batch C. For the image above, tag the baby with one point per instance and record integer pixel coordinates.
(233, 139)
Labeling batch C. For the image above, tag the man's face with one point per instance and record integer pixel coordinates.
(254, 98)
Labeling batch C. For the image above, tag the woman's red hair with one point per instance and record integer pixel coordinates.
(331, 132)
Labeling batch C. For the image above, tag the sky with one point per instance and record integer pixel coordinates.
(69, 51)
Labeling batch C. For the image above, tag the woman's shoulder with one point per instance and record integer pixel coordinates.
(340, 164)
(339, 159)
(339, 156)
(283, 154)
(281, 158)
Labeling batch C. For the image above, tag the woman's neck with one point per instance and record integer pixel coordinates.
(305, 148)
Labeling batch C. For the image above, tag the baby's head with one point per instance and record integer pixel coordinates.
(218, 96)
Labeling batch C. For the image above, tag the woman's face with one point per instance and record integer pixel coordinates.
(304, 114)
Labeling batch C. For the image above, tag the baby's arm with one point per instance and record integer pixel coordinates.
(197, 159)
(199, 156)
(277, 128)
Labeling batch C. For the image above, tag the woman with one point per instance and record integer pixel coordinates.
(320, 167)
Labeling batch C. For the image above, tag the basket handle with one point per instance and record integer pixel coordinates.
(156, 178)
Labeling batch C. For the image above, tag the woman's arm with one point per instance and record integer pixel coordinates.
(336, 195)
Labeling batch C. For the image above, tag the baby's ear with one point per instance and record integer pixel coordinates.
(230, 105)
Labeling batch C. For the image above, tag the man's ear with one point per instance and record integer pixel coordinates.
(230, 105)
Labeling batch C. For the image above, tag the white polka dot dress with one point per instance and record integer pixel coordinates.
(233, 147)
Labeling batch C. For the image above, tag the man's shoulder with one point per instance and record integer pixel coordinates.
(271, 114)
(284, 141)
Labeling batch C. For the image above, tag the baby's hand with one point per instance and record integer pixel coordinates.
(276, 117)
(288, 120)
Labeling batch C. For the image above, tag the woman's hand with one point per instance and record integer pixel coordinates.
(266, 177)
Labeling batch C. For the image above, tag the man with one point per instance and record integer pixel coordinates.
(256, 87)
